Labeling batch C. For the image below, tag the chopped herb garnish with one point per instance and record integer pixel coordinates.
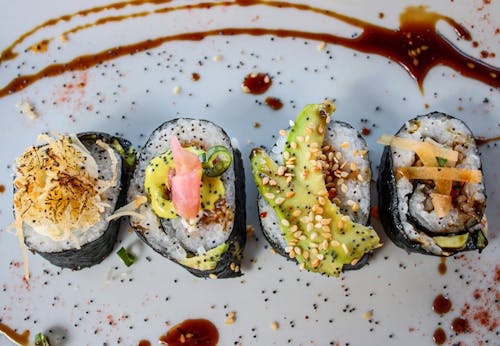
(41, 340)
(126, 257)
(441, 161)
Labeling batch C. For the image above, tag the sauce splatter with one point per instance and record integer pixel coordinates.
(442, 266)
(20, 339)
(441, 305)
(274, 103)
(2, 188)
(195, 76)
(416, 45)
(144, 343)
(460, 325)
(191, 332)
(483, 140)
(256, 83)
(439, 336)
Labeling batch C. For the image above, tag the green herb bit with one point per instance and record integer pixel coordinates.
(441, 161)
(127, 257)
(41, 340)
(216, 161)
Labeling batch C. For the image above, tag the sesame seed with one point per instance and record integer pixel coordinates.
(291, 123)
(305, 254)
(321, 46)
(282, 133)
(334, 243)
(290, 194)
(288, 249)
(313, 235)
(309, 130)
(354, 261)
(353, 166)
(176, 90)
(360, 178)
(355, 207)
(265, 180)
(281, 170)
(291, 254)
(279, 200)
(320, 257)
(293, 145)
(315, 263)
(245, 89)
(346, 250)
(367, 315)
(302, 237)
(297, 212)
(343, 188)
(302, 266)
(212, 276)
(275, 326)
(294, 228)
(217, 58)
(309, 227)
(297, 250)
(273, 182)
(269, 195)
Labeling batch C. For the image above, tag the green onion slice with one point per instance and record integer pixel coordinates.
(216, 161)
(441, 161)
(41, 340)
(126, 257)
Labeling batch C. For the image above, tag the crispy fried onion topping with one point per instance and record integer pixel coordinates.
(57, 188)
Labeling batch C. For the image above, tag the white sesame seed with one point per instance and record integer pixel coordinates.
(285, 222)
(275, 326)
(321, 46)
(176, 90)
(279, 200)
(217, 58)
(345, 248)
(269, 195)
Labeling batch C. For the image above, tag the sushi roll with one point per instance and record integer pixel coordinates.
(191, 181)
(432, 198)
(65, 192)
(314, 193)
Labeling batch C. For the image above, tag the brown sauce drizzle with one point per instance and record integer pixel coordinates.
(195, 76)
(256, 83)
(11, 334)
(274, 103)
(439, 336)
(441, 304)
(144, 343)
(483, 140)
(442, 266)
(460, 325)
(415, 45)
(191, 332)
(2, 188)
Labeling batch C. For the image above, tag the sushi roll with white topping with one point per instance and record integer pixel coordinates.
(65, 192)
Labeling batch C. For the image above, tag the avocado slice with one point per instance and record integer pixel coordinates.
(451, 242)
(318, 236)
(208, 261)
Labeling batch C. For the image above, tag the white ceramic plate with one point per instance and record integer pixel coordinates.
(110, 304)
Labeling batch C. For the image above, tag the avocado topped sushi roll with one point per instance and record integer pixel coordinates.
(64, 193)
(192, 183)
(314, 193)
(432, 197)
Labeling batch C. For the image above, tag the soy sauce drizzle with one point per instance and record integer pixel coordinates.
(415, 45)
(191, 332)
(11, 334)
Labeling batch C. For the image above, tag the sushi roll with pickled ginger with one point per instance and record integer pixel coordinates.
(192, 182)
